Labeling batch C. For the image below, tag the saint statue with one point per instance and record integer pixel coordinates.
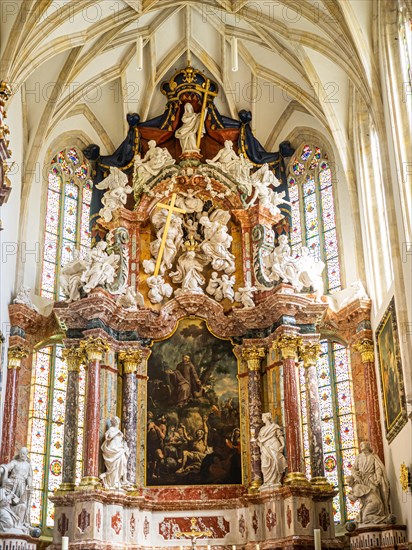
(271, 443)
(115, 454)
(71, 277)
(189, 272)
(217, 241)
(187, 133)
(101, 269)
(155, 159)
(23, 297)
(370, 485)
(16, 479)
(117, 189)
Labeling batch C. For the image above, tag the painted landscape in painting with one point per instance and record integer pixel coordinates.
(193, 432)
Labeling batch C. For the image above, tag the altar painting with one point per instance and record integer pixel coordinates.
(193, 428)
(393, 392)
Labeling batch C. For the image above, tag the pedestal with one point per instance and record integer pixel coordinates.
(17, 542)
(391, 537)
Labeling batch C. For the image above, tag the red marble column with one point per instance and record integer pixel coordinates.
(94, 348)
(15, 356)
(288, 344)
(253, 356)
(366, 350)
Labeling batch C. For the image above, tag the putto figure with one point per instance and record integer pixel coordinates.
(115, 454)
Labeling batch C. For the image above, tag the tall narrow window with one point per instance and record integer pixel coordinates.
(313, 211)
(67, 216)
(405, 44)
(46, 427)
(338, 423)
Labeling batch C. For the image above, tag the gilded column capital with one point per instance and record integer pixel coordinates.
(253, 356)
(366, 350)
(74, 357)
(309, 352)
(94, 348)
(130, 359)
(15, 355)
(288, 345)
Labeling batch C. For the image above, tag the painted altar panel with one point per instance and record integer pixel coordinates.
(193, 428)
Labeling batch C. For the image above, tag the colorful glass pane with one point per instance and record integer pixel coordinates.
(333, 270)
(73, 156)
(37, 439)
(336, 507)
(325, 176)
(328, 209)
(298, 168)
(344, 398)
(42, 366)
(306, 152)
(37, 464)
(53, 212)
(40, 401)
(36, 507)
(331, 244)
(314, 246)
(50, 512)
(311, 217)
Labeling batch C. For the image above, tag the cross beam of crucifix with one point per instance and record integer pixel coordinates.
(171, 209)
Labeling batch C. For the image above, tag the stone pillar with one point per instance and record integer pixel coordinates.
(74, 358)
(366, 350)
(253, 356)
(130, 359)
(15, 356)
(309, 352)
(94, 348)
(288, 345)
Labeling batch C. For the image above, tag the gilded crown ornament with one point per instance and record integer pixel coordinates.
(188, 80)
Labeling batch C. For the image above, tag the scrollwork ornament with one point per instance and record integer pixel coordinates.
(130, 359)
(15, 356)
(366, 350)
(94, 348)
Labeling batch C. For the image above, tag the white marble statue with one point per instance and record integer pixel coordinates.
(236, 166)
(370, 485)
(217, 241)
(188, 201)
(174, 241)
(189, 272)
(284, 266)
(310, 272)
(102, 268)
(115, 197)
(342, 298)
(115, 454)
(187, 133)
(158, 289)
(131, 299)
(71, 276)
(23, 297)
(271, 443)
(244, 295)
(214, 286)
(261, 181)
(227, 287)
(155, 159)
(16, 480)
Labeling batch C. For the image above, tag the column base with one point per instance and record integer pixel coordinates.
(254, 486)
(296, 478)
(64, 487)
(90, 482)
(321, 483)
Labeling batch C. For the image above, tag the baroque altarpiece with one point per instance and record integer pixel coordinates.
(192, 308)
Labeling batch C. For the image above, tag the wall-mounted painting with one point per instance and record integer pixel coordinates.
(193, 428)
(390, 367)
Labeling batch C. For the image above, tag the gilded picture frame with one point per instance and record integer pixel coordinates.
(391, 374)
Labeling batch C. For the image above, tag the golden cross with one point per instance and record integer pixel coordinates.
(171, 208)
(194, 533)
(202, 114)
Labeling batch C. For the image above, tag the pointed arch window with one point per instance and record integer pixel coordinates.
(313, 211)
(67, 216)
(337, 421)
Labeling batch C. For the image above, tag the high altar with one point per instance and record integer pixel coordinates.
(193, 309)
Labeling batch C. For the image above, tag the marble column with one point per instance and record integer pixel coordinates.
(366, 350)
(94, 348)
(309, 352)
(253, 356)
(15, 356)
(74, 358)
(130, 359)
(288, 346)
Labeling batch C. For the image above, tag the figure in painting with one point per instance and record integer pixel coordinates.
(115, 454)
(185, 381)
(187, 133)
(192, 459)
(271, 443)
(16, 479)
(370, 485)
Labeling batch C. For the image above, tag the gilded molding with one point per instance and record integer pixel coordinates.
(130, 359)
(366, 350)
(253, 356)
(288, 346)
(15, 355)
(309, 353)
(94, 348)
(74, 358)
(405, 478)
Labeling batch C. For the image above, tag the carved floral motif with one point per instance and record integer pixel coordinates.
(83, 520)
(117, 523)
(324, 519)
(270, 519)
(255, 522)
(63, 524)
(303, 516)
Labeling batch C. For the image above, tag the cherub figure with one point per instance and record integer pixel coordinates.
(244, 295)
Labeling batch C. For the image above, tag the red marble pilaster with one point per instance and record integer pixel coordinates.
(15, 356)
(94, 348)
(366, 350)
(288, 345)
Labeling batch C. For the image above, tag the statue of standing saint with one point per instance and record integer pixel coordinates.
(187, 133)
(115, 454)
(271, 443)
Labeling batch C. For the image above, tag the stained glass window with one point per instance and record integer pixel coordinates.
(67, 216)
(46, 425)
(313, 211)
(338, 423)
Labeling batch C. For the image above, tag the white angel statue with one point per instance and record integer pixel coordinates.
(244, 295)
(102, 268)
(115, 197)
